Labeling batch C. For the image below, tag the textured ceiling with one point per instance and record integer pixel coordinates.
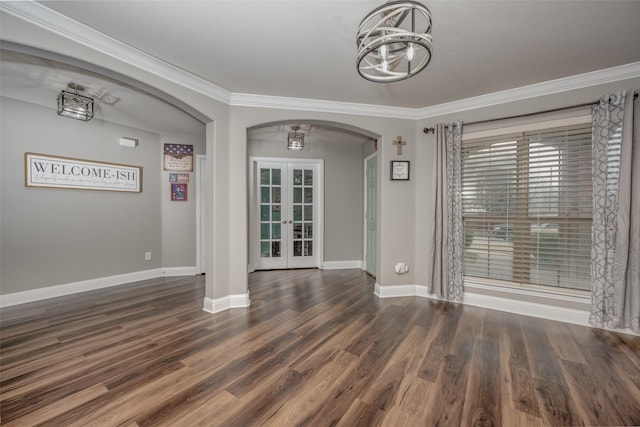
(306, 49)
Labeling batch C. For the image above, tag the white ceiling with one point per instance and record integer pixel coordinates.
(306, 49)
(39, 80)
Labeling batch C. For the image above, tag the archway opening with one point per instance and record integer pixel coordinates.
(341, 149)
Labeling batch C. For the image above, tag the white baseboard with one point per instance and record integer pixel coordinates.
(544, 311)
(33, 295)
(509, 305)
(180, 271)
(230, 301)
(342, 265)
(396, 291)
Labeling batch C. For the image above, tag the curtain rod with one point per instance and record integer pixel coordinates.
(553, 110)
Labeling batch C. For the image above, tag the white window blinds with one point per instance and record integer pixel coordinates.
(526, 207)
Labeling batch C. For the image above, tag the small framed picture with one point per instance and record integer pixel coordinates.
(179, 192)
(399, 170)
(179, 177)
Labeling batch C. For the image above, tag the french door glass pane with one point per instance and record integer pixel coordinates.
(264, 231)
(297, 177)
(297, 213)
(275, 192)
(276, 213)
(264, 250)
(264, 176)
(275, 249)
(275, 231)
(270, 212)
(276, 177)
(303, 199)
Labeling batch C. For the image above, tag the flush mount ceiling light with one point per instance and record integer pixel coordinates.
(295, 140)
(394, 41)
(74, 105)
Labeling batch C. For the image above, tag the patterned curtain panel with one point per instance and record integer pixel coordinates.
(447, 244)
(615, 253)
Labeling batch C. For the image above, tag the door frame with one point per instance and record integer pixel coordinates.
(365, 198)
(201, 217)
(253, 247)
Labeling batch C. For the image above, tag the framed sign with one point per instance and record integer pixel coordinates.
(178, 157)
(43, 170)
(179, 192)
(400, 170)
(179, 177)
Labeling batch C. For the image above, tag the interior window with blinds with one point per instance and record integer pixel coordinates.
(526, 207)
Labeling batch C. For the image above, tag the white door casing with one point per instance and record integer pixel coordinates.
(370, 209)
(201, 213)
(286, 211)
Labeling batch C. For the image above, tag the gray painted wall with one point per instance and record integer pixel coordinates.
(343, 192)
(59, 236)
(179, 218)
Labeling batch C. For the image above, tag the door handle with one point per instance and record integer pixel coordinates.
(284, 221)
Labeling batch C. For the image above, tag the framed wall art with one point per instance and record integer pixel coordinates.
(179, 192)
(178, 157)
(44, 170)
(400, 170)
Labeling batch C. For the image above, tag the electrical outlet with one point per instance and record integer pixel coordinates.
(147, 256)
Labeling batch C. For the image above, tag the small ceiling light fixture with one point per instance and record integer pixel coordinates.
(295, 141)
(394, 41)
(74, 105)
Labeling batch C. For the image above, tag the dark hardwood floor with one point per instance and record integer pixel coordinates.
(315, 348)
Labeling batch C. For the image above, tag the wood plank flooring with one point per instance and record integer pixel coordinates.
(315, 348)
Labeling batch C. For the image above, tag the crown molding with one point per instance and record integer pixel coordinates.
(565, 84)
(318, 105)
(43, 17)
(54, 22)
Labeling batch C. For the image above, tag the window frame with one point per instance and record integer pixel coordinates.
(522, 193)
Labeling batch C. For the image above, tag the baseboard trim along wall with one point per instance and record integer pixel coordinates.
(230, 301)
(180, 271)
(34, 295)
(342, 265)
(48, 292)
(509, 305)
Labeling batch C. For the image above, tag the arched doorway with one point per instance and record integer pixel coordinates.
(136, 237)
(339, 151)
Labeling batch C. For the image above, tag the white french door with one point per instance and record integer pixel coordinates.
(287, 223)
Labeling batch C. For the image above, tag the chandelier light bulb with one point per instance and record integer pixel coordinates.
(410, 52)
(383, 52)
